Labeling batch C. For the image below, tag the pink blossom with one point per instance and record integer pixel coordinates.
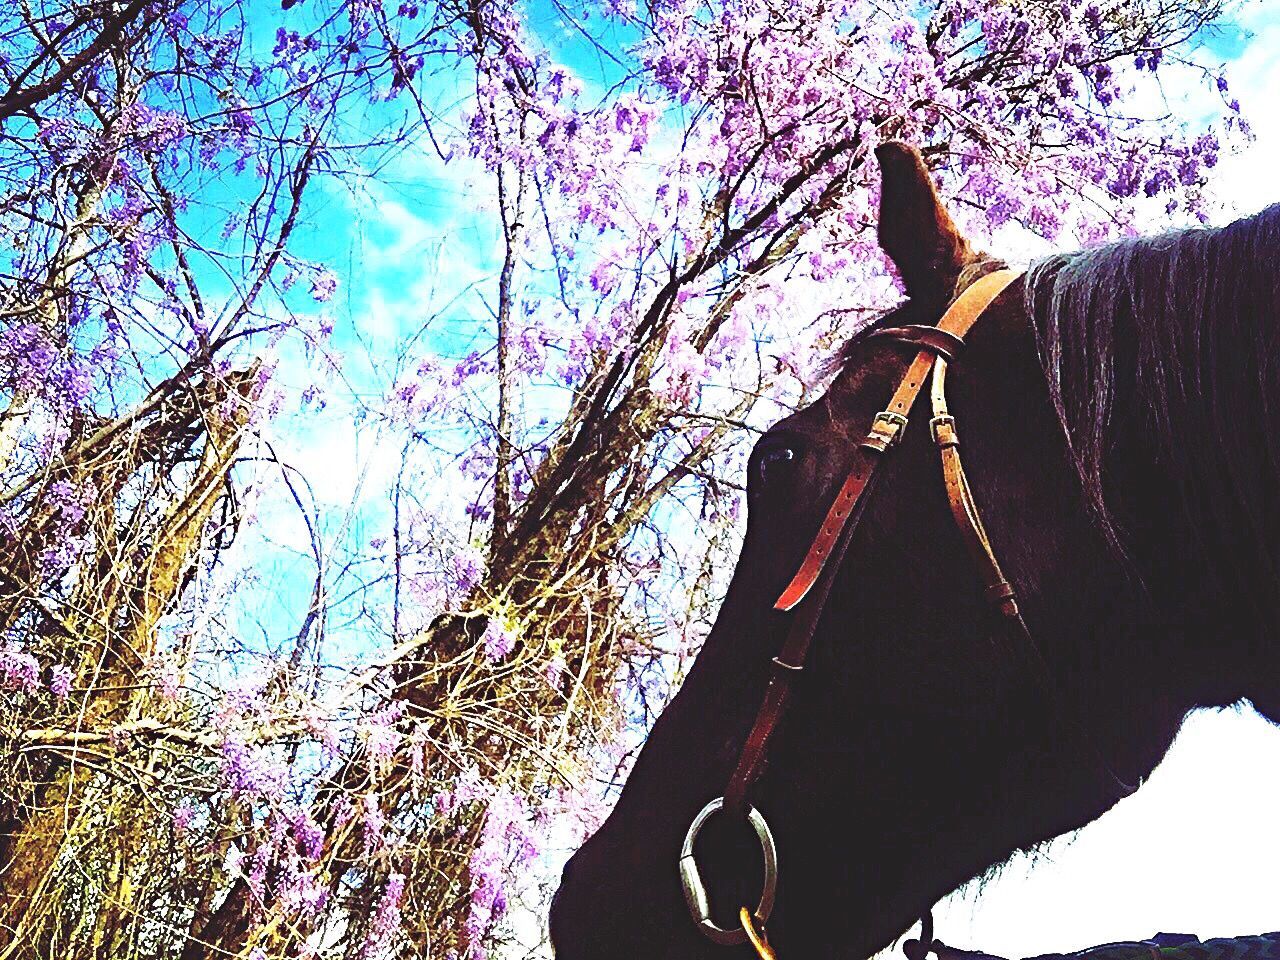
(386, 919)
(60, 677)
(498, 640)
(18, 669)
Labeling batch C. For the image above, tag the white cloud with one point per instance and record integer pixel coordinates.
(1247, 180)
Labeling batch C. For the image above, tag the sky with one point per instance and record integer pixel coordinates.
(1194, 851)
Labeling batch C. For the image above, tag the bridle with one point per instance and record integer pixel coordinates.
(809, 589)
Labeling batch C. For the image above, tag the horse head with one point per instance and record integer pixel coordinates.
(925, 742)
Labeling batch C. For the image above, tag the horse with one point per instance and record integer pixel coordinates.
(1115, 409)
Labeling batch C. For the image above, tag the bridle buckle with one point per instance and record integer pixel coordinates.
(943, 428)
(886, 429)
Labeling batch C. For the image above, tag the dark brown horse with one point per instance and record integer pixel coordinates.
(1116, 412)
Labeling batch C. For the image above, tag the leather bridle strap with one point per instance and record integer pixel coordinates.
(812, 582)
(998, 590)
(959, 496)
(945, 345)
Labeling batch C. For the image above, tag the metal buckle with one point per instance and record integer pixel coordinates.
(943, 429)
(886, 429)
(695, 893)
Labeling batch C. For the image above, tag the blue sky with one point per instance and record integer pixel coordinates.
(416, 264)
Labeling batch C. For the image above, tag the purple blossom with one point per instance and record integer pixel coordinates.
(32, 363)
(323, 285)
(72, 502)
(309, 835)
(303, 892)
(531, 351)
(60, 677)
(252, 770)
(498, 640)
(166, 674)
(183, 815)
(469, 366)
(685, 370)
(153, 130)
(18, 669)
(58, 559)
(260, 864)
(379, 733)
(417, 755)
(468, 789)
(386, 919)
(372, 823)
(1160, 180)
(904, 32)
(241, 699)
(467, 569)
(506, 843)
(343, 811)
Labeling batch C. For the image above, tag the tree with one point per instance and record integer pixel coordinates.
(681, 239)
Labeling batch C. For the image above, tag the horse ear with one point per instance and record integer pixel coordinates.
(915, 229)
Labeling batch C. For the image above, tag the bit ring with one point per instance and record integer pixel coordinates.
(695, 892)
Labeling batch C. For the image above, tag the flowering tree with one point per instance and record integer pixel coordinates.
(126, 294)
(682, 236)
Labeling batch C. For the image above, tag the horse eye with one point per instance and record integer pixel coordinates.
(774, 463)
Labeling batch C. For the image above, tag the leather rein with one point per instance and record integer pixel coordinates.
(809, 589)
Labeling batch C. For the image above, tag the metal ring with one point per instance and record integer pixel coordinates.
(695, 893)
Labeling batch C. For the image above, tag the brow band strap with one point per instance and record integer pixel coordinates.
(942, 343)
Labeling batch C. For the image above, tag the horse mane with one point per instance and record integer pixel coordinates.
(1173, 340)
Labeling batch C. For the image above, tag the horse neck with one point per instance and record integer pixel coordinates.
(1161, 356)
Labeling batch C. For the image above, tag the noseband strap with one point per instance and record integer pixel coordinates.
(809, 588)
